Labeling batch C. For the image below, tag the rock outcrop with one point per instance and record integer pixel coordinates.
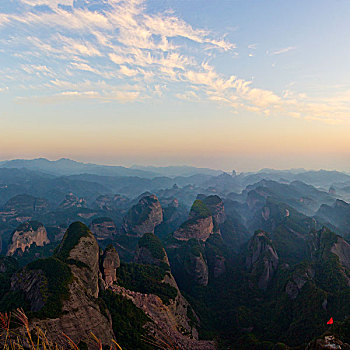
(80, 250)
(262, 259)
(144, 216)
(110, 262)
(170, 320)
(299, 278)
(72, 201)
(328, 342)
(190, 265)
(216, 256)
(26, 235)
(63, 290)
(166, 326)
(341, 249)
(150, 251)
(199, 225)
(103, 228)
(216, 207)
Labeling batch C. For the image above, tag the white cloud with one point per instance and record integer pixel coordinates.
(284, 50)
(122, 43)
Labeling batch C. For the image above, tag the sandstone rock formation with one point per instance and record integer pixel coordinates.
(72, 201)
(103, 228)
(262, 259)
(341, 249)
(190, 265)
(165, 324)
(144, 216)
(109, 263)
(169, 320)
(199, 225)
(75, 312)
(26, 235)
(216, 207)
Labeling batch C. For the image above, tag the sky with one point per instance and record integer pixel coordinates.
(227, 84)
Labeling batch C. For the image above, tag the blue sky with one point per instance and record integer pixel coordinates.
(228, 84)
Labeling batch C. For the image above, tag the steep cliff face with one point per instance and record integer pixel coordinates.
(216, 207)
(173, 318)
(189, 264)
(72, 201)
(62, 290)
(80, 250)
(109, 263)
(216, 253)
(341, 249)
(166, 326)
(26, 235)
(262, 259)
(103, 228)
(144, 216)
(199, 225)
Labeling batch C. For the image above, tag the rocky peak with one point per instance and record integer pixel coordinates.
(150, 251)
(72, 201)
(262, 259)
(200, 224)
(80, 250)
(144, 216)
(63, 290)
(103, 228)
(26, 235)
(110, 262)
(216, 207)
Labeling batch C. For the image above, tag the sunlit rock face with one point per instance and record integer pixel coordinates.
(199, 225)
(28, 234)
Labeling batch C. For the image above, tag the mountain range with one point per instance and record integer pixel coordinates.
(191, 258)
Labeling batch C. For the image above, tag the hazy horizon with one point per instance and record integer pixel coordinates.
(131, 165)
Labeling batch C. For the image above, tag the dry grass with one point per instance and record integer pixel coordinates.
(15, 334)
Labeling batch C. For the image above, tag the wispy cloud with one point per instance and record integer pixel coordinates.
(114, 50)
(284, 50)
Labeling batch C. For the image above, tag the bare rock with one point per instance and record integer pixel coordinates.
(110, 264)
(26, 235)
(72, 201)
(165, 324)
(144, 216)
(262, 259)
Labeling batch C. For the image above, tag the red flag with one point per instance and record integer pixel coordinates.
(330, 321)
